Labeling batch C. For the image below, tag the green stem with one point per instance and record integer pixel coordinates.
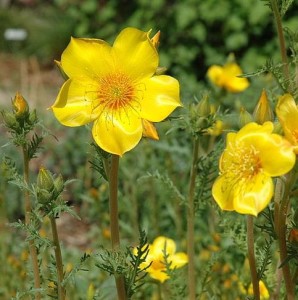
(281, 39)
(115, 237)
(58, 257)
(190, 224)
(251, 257)
(283, 247)
(32, 248)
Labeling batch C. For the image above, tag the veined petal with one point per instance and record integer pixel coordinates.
(73, 106)
(135, 53)
(87, 58)
(117, 132)
(276, 154)
(222, 191)
(159, 96)
(252, 196)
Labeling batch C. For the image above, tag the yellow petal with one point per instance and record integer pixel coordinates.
(270, 146)
(159, 97)
(159, 275)
(214, 73)
(119, 132)
(149, 130)
(178, 260)
(223, 193)
(232, 82)
(287, 113)
(135, 53)
(252, 196)
(161, 243)
(90, 58)
(73, 106)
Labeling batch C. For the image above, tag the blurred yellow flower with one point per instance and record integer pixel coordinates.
(252, 156)
(287, 113)
(116, 87)
(264, 293)
(156, 256)
(226, 77)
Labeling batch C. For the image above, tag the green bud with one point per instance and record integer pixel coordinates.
(245, 117)
(9, 119)
(59, 184)
(20, 106)
(43, 196)
(203, 107)
(45, 180)
(33, 117)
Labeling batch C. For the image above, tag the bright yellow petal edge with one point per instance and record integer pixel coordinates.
(246, 168)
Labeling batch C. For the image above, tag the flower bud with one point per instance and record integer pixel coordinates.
(43, 196)
(9, 119)
(160, 70)
(33, 117)
(59, 184)
(149, 130)
(263, 111)
(203, 107)
(45, 180)
(20, 106)
(245, 117)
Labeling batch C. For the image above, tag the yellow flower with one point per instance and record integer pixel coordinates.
(156, 256)
(252, 156)
(287, 113)
(116, 87)
(226, 77)
(264, 293)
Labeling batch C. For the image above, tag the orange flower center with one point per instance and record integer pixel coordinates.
(116, 91)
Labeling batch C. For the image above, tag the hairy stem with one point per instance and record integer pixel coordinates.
(32, 248)
(281, 39)
(115, 237)
(190, 224)
(58, 257)
(251, 257)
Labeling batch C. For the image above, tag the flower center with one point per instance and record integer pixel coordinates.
(245, 162)
(116, 91)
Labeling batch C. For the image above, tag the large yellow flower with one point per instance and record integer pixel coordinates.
(287, 113)
(252, 156)
(226, 77)
(116, 87)
(156, 256)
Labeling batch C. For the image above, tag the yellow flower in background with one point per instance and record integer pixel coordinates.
(287, 113)
(156, 256)
(264, 293)
(115, 87)
(252, 156)
(226, 77)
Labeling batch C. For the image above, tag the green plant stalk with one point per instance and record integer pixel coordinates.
(32, 248)
(114, 222)
(191, 224)
(251, 257)
(281, 38)
(283, 246)
(58, 258)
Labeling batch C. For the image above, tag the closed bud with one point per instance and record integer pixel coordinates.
(59, 184)
(203, 107)
(33, 117)
(263, 111)
(160, 70)
(245, 117)
(149, 130)
(9, 119)
(43, 196)
(20, 106)
(45, 180)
